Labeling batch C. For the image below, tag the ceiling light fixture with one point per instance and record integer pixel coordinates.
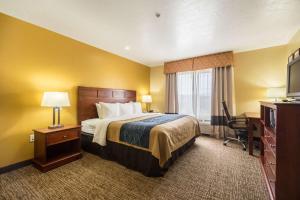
(127, 47)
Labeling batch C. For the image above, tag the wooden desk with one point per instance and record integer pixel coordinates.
(253, 118)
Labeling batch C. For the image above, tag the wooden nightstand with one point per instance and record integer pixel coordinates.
(56, 147)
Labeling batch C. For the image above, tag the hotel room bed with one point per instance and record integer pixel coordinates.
(148, 143)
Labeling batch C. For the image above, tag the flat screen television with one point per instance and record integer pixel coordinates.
(293, 79)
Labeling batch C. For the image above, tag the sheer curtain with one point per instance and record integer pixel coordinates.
(194, 94)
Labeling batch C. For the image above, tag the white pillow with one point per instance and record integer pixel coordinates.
(108, 110)
(98, 106)
(126, 108)
(137, 107)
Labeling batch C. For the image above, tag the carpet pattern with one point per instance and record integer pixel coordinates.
(208, 170)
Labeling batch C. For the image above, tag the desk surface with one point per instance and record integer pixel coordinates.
(253, 115)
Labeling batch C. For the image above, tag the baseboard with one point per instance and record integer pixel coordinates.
(15, 166)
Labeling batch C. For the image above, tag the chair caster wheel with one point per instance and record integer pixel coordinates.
(224, 143)
(244, 149)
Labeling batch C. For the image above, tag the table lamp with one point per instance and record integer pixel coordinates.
(148, 100)
(276, 92)
(56, 100)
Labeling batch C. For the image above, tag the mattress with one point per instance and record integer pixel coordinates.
(162, 139)
(166, 137)
(89, 125)
(157, 133)
(140, 160)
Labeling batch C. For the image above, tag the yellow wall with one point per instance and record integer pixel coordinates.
(254, 72)
(157, 88)
(259, 69)
(34, 60)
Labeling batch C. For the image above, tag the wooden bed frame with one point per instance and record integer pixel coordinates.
(88, 96)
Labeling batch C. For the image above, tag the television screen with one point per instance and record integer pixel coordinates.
(294, 78)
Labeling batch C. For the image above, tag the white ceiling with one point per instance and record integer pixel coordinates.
(186, 28)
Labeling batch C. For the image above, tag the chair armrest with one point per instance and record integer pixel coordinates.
(240, 121)
(239, 117)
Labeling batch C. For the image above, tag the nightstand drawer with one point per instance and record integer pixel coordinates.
(61, 136)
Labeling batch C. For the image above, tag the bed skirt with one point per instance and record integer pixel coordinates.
(132, 158)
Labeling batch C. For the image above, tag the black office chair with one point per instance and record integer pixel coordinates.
(239, 125)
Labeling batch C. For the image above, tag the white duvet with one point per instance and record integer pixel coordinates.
(102, 124)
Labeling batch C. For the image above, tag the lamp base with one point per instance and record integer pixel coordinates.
(55, 126)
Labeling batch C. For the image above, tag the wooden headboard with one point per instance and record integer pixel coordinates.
(88, 96)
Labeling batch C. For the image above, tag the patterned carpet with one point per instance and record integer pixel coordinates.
(208, 170)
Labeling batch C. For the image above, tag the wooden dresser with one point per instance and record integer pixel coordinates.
(280, 142)
(56, 147)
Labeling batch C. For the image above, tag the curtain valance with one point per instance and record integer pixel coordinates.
(179, 66)
(200, 62)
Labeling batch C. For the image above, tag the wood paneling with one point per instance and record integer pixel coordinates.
(199, 63)
(89, 96)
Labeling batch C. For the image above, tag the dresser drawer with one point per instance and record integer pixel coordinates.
(271, 178)
(270, 140)
(270, 136)
(270, 159)
(61, 136)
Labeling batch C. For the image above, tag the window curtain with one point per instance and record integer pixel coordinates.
(222, 90)
(171, 93)
(194, 94)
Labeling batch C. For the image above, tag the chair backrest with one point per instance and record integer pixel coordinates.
(225, 108)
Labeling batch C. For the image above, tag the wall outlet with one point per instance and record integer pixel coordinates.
(31, 138)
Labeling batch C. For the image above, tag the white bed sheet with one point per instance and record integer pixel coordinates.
(89, 125)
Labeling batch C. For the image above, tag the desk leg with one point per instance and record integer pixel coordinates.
(250, 136)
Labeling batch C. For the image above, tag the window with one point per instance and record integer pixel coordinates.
(194, 94)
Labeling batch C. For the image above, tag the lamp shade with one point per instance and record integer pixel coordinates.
(55, 99)
(146, 99)
(276, 92)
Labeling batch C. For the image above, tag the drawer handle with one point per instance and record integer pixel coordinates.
(270, 163)
(64, 136)
(273, 145)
